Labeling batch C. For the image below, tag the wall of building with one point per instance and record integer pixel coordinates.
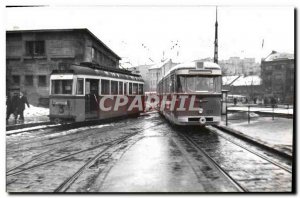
(278, 79)
(27, 71)
(144, 72)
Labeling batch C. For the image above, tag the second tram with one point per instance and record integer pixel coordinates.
(192, 94)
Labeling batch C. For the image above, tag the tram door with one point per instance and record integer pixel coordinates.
(91, 98)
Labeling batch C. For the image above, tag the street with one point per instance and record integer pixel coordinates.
(144, 154)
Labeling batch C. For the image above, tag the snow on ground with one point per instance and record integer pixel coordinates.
(34, 111)
(277, 133)
(32, 114)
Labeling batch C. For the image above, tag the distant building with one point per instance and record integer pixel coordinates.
(31, 55)
(157, 71)
(143, 70)
(278, 76)
(238, 66)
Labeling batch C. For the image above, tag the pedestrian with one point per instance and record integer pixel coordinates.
(21, 106)
(254, 100)
(9, 109)
(14, 104)
(273, 102)
(234, 101)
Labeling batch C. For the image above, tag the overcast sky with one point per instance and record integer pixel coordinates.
(138, 34)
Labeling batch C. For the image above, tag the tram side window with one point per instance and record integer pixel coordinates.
(181, 84)
(172, 83)
(125, 88)
(79, 88)
(130, 88)
(134, 89)
(141, 89)
(105, 87)
(120, 88)
(114, 87)
(61, 87)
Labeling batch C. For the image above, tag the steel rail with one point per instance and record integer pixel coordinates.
(63, 187)
(251, 151)
(200, 150)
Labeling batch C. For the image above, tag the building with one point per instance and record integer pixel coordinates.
(238, 66)
(143, 70)
(157, 71)
(278, 76)
(31, 55)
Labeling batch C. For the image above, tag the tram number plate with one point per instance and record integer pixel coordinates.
(209, 111)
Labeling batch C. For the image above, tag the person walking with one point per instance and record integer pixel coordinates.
(9, 109)
(21, 105)
(14, 104)
(234, 101)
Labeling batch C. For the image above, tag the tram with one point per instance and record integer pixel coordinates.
(191, 94)
(76, 92)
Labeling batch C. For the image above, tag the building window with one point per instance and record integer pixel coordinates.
(42, 81)
(35, 48)
(93, 53)
(15, 80)
(29, 80)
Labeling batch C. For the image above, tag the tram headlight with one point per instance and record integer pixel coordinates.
(200, 110)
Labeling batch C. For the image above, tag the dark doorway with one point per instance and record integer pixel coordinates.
(91, 98)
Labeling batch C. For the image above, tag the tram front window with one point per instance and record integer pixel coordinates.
(190, 84)
(61, 86)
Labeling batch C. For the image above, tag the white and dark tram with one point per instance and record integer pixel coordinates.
(76, 90)
(193, 82)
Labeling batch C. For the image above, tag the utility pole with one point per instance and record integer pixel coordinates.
(216, 38)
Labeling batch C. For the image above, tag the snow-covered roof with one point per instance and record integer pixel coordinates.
(241, 80)
(227, 80)
(274, 56)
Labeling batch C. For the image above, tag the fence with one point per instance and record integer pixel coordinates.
(240, 112)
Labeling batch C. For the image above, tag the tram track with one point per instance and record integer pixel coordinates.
(64, 186)
(64, 128)
(253, 152)
(21, 169)
(73, 141)
(221, 170)
(241, 170)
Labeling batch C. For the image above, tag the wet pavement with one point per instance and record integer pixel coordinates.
(144, 154)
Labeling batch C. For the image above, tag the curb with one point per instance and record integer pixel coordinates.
(21, 126)
(254, 141)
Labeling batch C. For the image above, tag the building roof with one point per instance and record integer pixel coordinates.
(276, 56)
(241, 80)
(65, 30)
(228, 80)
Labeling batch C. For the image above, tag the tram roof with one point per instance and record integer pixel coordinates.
(193, 65)
(103, 72)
